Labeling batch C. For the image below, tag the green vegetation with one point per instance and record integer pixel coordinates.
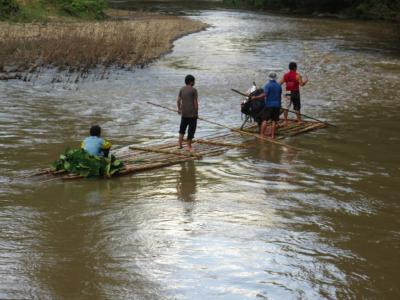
(8, 8)
(376, 9)
(78, 161)
(44, 10)
(81, 8)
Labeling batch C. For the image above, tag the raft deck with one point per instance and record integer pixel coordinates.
(292, 129)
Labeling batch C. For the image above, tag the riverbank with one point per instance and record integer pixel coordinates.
(364, 9)
(124, 40)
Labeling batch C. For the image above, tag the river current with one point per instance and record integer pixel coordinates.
(252, 223)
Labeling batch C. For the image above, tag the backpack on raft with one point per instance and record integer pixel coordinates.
(253, 107)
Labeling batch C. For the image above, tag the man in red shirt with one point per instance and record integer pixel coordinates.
(293, 81)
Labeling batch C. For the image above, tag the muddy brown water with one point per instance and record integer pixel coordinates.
(252, 223)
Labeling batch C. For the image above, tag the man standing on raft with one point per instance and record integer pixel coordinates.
(272, 95)
(293, 81)
(188, 108)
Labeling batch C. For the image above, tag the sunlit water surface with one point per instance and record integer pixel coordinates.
(258, 222)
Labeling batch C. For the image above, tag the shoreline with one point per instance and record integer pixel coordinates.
(126, 40)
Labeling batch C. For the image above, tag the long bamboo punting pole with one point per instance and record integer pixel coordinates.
(312, 118)
(164, 151)
(232, 129)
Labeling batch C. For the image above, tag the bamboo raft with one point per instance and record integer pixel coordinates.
(292, 129)
(140, 158)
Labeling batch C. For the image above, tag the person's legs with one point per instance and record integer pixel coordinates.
(263, 130)
(273, 126)
(276, 111)
(106, 152)
(288, 102)
(191, 132)
(182, 130)
(297, 106)
(180, 141)
(298, 115)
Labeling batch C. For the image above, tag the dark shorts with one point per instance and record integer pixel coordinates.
(192, 123)
(295, 99)
(270, 113)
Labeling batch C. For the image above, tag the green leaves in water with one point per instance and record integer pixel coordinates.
(78, 161)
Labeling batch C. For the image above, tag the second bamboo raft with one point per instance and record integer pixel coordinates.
(139, 158)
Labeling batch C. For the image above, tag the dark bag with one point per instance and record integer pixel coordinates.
(253, 107)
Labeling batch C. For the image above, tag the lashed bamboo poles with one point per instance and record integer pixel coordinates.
(307, 128)
(233, 129)
(166, 161)
(181, 153)
(220, 144)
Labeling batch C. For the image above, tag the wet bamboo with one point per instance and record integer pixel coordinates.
(221, 144)
(233, 129)
(164, 151)
(133, 168)
(308, 128)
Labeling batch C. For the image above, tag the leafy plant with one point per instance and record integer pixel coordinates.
(8, 8)
(82, 8)
(80, 162)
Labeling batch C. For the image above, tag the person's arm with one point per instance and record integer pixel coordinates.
(196, 103)
(179, 103)
(282, 81)
(261, 96)
(106, 145)
(301, 81)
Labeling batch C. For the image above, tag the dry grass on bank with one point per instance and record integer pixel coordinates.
(84, 45)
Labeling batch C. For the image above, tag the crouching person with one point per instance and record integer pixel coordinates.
(94, 144)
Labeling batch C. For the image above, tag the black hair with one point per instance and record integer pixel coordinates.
(292, 66)
(189, 79)
(95, 130)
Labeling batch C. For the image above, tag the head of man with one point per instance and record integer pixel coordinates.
(189, 80)
(272, 76)
(95, 130)
(292, 66)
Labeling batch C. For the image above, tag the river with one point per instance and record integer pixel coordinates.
(252, 223)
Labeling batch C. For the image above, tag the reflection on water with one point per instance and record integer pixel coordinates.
(255, 222)
(186, 183)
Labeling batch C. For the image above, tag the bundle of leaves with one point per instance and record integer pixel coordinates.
(78, 161)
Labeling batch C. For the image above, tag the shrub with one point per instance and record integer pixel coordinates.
(8, 8)
(83, 8)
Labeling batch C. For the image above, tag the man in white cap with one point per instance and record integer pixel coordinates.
(272, 95)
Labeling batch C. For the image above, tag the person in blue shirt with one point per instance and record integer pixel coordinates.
(94, 144)
(272, 95)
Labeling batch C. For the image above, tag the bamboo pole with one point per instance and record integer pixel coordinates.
(220, 144)
(164, 151)
(308, 128)
(233, 129)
